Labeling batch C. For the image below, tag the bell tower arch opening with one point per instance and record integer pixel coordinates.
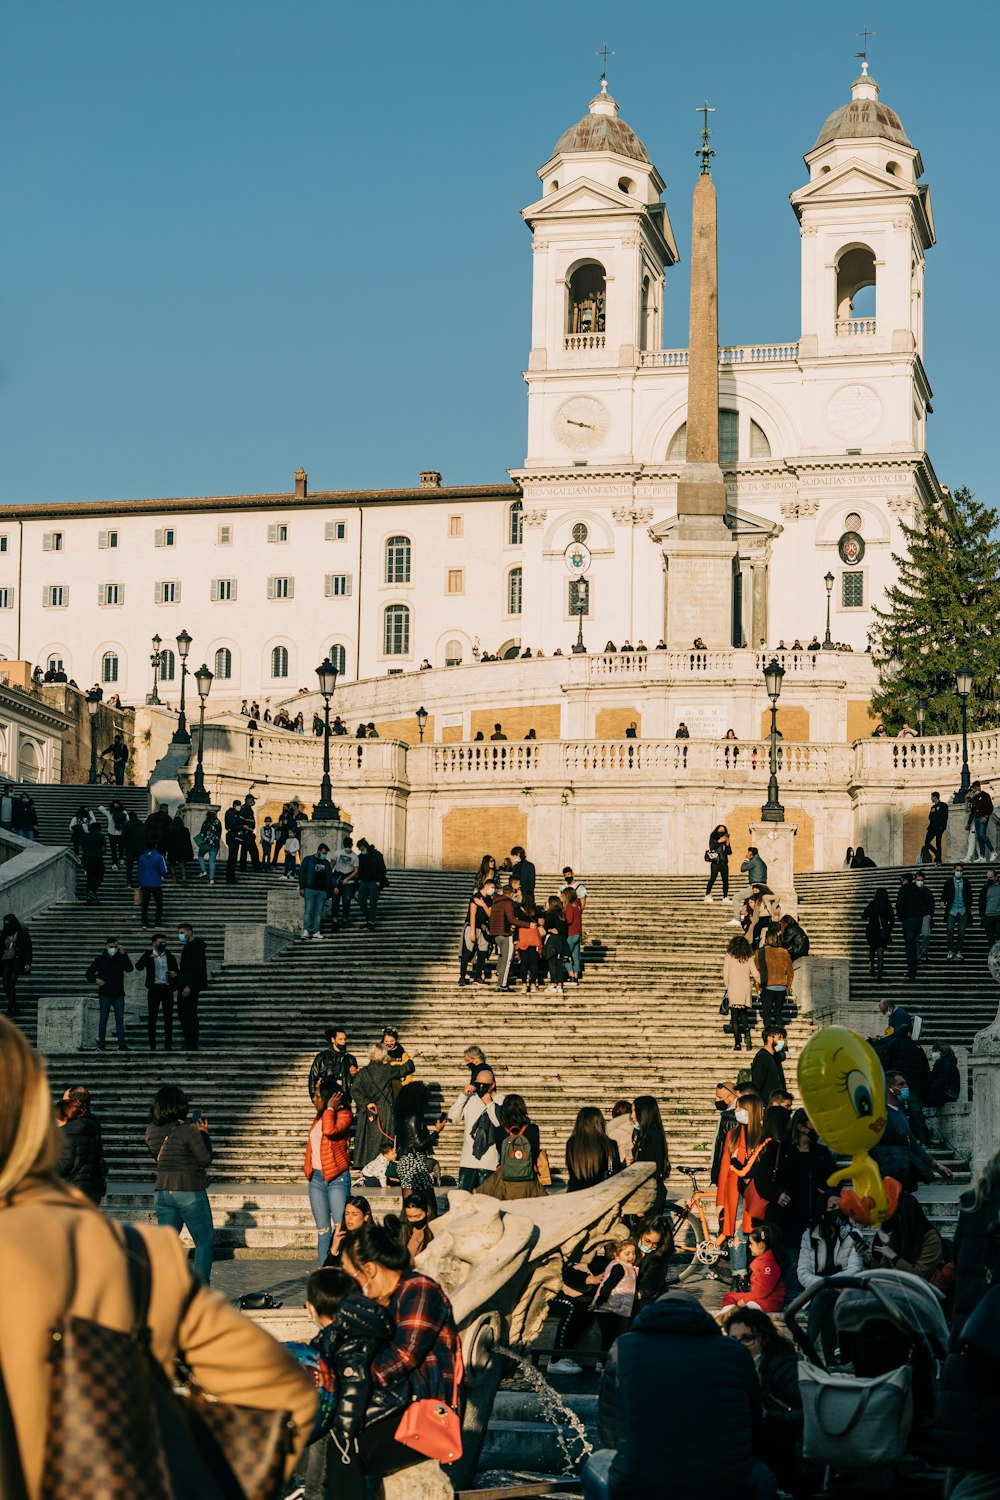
(855, 285)
(586, 299)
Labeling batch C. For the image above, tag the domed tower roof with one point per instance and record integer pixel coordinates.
(602, 130)
(864, 118)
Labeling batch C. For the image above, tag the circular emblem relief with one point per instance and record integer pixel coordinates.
(577, 556)
(851, 548)
(854, 412)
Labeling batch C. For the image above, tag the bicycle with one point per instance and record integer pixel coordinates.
(694, 1237)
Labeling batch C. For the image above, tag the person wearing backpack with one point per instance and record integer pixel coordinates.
(519, 1145)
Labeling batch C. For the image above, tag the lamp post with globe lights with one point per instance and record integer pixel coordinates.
(156, 662)
(326, 809)
(963, 686)
(829, 580)
(181, 736)
(93, 699)
(772, 811)
(203, 681)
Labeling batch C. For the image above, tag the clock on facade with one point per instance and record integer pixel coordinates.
(581, 423)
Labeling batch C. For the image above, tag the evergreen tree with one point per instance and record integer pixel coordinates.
(943, 613)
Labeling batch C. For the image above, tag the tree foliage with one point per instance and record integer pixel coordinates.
(943, 613)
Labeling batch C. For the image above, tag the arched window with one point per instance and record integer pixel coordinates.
(587, 298)
(515, 518)
(29, 761)
(514, 591)
(580, 532)
(168, 665)
(109, 666)
(397, 559)
(397, 630)
(759, 445)
(856, 291)
(55, 664)
(223, 664)
(453, 653)
(729, 440)
(644, 315)
(338, 655)
(279, 661)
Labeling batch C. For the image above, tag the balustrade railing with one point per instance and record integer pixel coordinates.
(575, 343)
(729, 354)
(851, 328)
(500, 758)
(711, 662)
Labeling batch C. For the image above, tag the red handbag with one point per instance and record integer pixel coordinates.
(432, 1427)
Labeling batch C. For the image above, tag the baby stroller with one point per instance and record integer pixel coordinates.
(868, 1425)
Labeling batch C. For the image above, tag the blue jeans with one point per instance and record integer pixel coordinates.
(312, 910)
(207, 857)
(368, 894)
(327, 1200)
(982, 841)
(175, 1208)
(575, 954)
(105, 1002)
(738, 1253)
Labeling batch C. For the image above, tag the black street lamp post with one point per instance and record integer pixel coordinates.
(963, 686)
(93, 699)
(203, 681)
(326, 809)
(772, 811)
(581, 606)
(155, 661)
(421, 722)
(181, 735)
(921, 716)
(829, 580)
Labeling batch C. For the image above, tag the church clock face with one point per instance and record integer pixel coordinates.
(854, 412)
(581, 423)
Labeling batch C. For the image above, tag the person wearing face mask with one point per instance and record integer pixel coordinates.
(192, 978)
(927, 917)
(829, 1249)
(160, 968)
(736, 1194)
(911, 908)
(415, 1228)
(315, 886)
(767, 1076)
(907, 1241)
(108, 972)
(989, 908)
(655, 1247)
(725, 1103)
(898, 1153)
(477, 1098)
(956, 903)
(945, 1084)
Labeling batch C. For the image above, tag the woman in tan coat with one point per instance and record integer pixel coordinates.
(774, 973)
(59, 1255)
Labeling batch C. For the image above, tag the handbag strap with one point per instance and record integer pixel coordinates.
(140, 1280)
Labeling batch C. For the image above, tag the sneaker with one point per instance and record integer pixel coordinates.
(960, 957)
(297, 1494)
(211, 882)
(306, 933)
(708, 902)
(734, 922)
(122, 1047)
(203, 876)
(102, 1046)
(564, 1367)
(949, 955)
(317, 937)
(370, 926)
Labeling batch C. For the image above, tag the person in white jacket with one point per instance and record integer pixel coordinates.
(477, 1098)
(829, 1249)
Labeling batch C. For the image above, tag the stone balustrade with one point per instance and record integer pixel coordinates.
(577, 343)
(851, 328)
(729, 354)
(723, 663)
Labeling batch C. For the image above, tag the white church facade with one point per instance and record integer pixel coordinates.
(822, 444)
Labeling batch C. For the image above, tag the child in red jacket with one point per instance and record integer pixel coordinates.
(768, 1264)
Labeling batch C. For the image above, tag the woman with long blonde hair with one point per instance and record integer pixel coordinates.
(61, 1260)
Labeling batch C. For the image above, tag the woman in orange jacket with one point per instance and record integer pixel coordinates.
(736, 1196)
(327, 1162)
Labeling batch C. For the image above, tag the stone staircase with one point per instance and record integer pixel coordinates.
(644, 1021)
(57, 805)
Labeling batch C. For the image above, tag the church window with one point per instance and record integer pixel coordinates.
(852, 591)
(109, 666)
(453, 654)
(223, 664)
(396, 641)
(729, 438)
(852, 522)
(856, 291)
(580, 532)
(644, 315)
(279, 661)
(55, 664)
(515, 521)
(515, 586)
(338, 656)
(168, 665)
(625, 185)
(397, 559)
(759, 445)
(579, 596)
(892, 167)
(587, 299)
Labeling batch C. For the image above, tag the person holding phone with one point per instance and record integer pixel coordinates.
(182, 1149)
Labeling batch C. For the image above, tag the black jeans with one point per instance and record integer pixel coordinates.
(932, 844)
(720, 867)
(11, 974)
(772, 1003)
(187, 1015)
(911, 933)
(156, 996)
(248, 850)
(154, 893)
(233, 850)
(377, 1454)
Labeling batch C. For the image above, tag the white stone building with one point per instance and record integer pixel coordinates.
(822, 443)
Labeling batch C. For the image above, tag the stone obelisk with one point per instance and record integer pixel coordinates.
(700, 549)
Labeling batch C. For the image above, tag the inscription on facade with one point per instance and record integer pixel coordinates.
(624, 843)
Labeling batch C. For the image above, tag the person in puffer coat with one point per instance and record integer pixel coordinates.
(675, 1360)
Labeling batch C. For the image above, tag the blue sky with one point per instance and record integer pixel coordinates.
(240, 236)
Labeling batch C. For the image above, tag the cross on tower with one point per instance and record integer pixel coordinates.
(604, 53)
(864, 34)
(704, 150)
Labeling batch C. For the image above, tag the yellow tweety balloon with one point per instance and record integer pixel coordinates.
(843, 1090)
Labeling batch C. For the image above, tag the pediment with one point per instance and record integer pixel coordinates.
(583, 195)
(742, 523)
(851, 179)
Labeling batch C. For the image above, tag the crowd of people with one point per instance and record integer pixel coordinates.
(512, 939)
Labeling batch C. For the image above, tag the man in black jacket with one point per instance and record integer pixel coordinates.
(161, 970)
(234, 835)
(937, 824)
(956, 903)
(911, 908)
(767, 1076)
(725, 1103)
(192, 978)
(108, 972)
(372, 881)
(524, 871)
(248, 833)
(674, 1359)
(333, 1063)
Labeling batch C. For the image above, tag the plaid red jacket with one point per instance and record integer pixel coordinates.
(426, 1350)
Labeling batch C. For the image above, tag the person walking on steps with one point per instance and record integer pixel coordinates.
(315, 888)
(182, 1149)
(119, 752)
(108, 972)
(767, 1075)
(234, 836)
(209, 841)
(373, 879)
(775, 973)
(136, 842)
(937, 827)
(92, 856)
(248, 833)
(15, 959)
(502, 931)
(161, 970)
(956, 903)
(151, 867)
(911, 907)
(980, 813)
(737, 981)
(717, 857)
(879, 919)
(192, 978)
